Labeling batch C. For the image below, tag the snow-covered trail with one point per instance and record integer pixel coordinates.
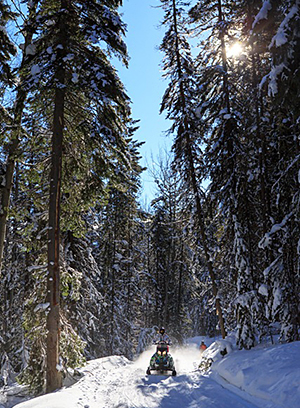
(115, 382)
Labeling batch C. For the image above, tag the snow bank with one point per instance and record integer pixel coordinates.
(271, 374)
(266, 377)
(79, 394)
(217, 350)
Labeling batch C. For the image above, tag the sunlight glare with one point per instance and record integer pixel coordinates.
(234, 50)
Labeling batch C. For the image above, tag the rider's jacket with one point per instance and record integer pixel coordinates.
(161, 337)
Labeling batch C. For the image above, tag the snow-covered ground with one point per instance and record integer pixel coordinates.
(264, 377)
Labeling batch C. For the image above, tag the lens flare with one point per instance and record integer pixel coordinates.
(234, 50)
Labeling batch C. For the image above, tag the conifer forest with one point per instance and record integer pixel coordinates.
(86, 270)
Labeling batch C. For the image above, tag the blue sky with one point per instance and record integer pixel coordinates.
(143, 80)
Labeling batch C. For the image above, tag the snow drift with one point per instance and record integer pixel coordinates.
(265, 377)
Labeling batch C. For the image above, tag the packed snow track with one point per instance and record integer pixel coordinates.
(115, 382)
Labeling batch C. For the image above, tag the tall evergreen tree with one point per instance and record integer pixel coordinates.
(221, 99)
(170, 252)
(178, 102)
(244, 161)
(11, 285)
(13, 120)
(281, 238)
(67, 62)
(119, 259)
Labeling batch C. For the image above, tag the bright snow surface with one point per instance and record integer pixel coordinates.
(264, 377)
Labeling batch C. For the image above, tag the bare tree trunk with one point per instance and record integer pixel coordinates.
(53, 375)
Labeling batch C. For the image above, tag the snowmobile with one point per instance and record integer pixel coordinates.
(161, 361)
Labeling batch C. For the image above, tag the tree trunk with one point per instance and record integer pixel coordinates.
(53, 375)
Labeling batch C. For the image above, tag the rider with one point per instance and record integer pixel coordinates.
(203, 346)
(162, 336)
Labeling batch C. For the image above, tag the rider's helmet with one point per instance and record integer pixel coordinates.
(162, 330)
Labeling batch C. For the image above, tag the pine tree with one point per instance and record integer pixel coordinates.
(13, 285)
(110, 239)
(67, 68)
(247, 162)
(15, 119)
(224, 107)
(170, 252)
(282, 237)
(7, 48)
(178, 101)
(119, 263)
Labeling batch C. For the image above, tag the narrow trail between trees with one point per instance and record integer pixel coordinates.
(115, 382)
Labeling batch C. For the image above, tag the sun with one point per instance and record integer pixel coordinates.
(234, 50)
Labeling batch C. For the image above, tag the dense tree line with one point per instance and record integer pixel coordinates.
(86, 272)
(235, 126)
